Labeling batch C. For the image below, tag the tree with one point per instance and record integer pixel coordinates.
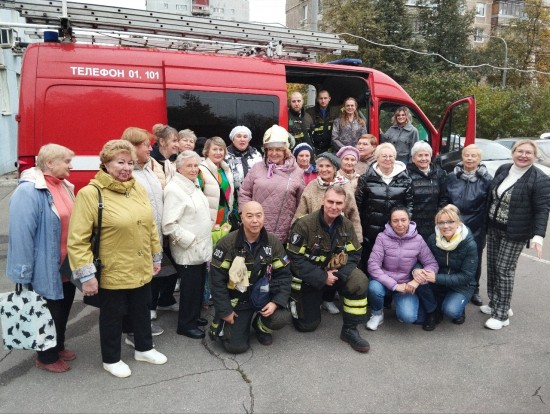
(446, 28)
(529, 43)
(381, 22)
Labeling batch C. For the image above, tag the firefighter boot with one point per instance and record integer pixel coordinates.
(350, 334)
(263, 334)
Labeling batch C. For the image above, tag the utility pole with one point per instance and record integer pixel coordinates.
(505, 70)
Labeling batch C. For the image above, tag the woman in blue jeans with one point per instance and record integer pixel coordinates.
(396, 252)
(455, 249)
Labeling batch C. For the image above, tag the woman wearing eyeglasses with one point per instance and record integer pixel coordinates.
(455, 250)
(384, 186)
(468, 189)
(519, 202)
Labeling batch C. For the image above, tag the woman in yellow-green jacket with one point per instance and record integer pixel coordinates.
(130, 252)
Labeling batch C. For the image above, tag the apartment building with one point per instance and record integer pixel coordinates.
(237, 10)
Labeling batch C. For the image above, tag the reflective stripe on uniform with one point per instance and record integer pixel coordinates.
(296, 283)
(355, 306)
(226, 264)
(234, 302)
(350, 247)
(277, 264)
(262, 327)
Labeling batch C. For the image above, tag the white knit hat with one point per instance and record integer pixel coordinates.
(240, 128)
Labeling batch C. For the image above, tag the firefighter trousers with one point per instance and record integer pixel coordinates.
(305, 302)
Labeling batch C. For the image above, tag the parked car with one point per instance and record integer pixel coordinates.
(544, 148)
(496, 154)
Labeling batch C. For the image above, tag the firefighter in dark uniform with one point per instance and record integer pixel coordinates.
(241, 259)
(323, 116)
(324, 250)
(299, 122)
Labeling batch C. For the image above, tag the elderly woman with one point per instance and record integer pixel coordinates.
(455, 250)
(39, 213)
(402, 134)
(519, 201)
(348, 160)
(186, 220)
(304, 156)
(277, 183)
(430, 188)
(241, 157)
(468, 189)
(216, 180)
(365, 145)
(384, 186)
(348, 127)
(398, 250)
(130, 253)
(312, 200)
(145, 175)
(165, 147)
(186, 140)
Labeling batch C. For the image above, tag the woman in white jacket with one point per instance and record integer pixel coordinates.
(186, 221)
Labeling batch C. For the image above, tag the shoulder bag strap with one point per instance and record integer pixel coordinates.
(222, 194)
(99, 218)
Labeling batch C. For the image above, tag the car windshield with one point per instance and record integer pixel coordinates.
(493, 151)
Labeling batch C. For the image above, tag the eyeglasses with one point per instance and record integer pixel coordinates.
(387, 157)
(524, 153)
(445, 223)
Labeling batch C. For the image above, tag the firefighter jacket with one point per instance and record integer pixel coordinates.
(265, 256)
(312, 245)
(321, 136)
(299, 125)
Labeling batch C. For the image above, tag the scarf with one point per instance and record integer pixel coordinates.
(450, 245)
(471, 176)
(338, 180)
(271, 167)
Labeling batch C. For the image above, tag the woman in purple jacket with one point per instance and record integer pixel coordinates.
(395, 254)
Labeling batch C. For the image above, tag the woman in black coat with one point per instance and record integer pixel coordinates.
(385, 185)
(429, 183)
(468, 189)
(519, 202)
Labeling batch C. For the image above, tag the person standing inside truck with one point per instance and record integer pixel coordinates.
(348, 127)
(323, 116)
(299, 121)
(402, 134)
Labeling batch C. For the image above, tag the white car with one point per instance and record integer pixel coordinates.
(494, 155)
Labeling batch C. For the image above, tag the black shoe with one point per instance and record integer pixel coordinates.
(192, 333)
(263, 337)
(460, 320)
(352, 337)
(202, 322)
(431, 321)
(476, 300)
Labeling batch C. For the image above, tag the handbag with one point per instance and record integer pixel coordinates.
(259, 295)
(26, 321)
(96, 238)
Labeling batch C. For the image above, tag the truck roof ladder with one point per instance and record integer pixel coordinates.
(131, 27)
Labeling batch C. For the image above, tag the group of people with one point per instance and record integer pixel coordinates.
(307, 224)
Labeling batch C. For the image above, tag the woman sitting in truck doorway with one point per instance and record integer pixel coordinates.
(164, 148)
(402, 134)
(348, 127)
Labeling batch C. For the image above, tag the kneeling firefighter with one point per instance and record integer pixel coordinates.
(249, 275)
(324, 251)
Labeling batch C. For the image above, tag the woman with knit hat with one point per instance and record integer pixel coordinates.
(277, 183)
(312, 199)
(348, 158)
(241, 157)
(304, 155)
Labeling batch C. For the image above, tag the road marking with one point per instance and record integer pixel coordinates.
(535, 258)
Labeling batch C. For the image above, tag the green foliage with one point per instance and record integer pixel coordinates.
(435, 91)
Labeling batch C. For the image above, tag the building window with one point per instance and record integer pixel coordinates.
(181, 7)
(4, 92)
(480, 10)
(411, 3)
(165, 5)
(479, 35)
(6, 37)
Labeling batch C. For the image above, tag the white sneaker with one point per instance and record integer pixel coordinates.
(118, 369)
(152, 356)
(153, 315)
(172, 308)
(177, 288)
(330, 307)
(374, 321)
(156, 330)
(486, 309)
(495, 324)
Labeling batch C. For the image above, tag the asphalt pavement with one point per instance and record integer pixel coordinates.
(454, 369)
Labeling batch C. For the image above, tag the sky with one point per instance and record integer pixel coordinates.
(265, 11)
